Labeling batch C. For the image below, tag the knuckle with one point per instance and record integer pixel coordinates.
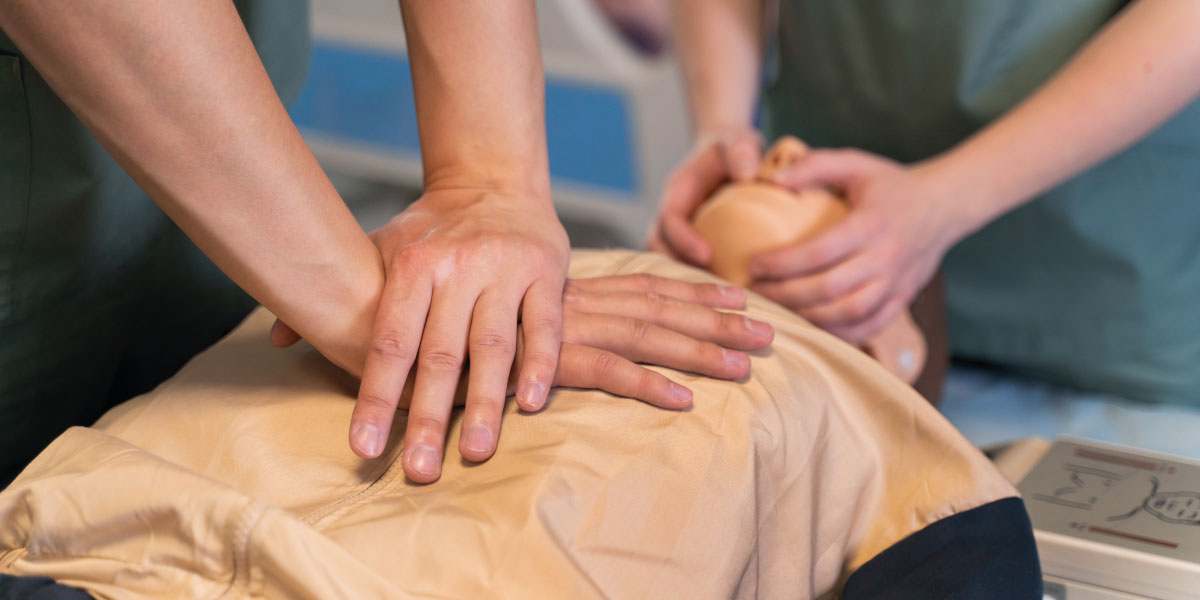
(656, 304)
(390, 344)
(646, 281)
(493, 342)
(774, 291)
(543, 323)
(827, 287)
(730, 322)
(821, 254)
(646, 381)
(409, 254)
(705, 290)
(376, 404)
(484, 403)
(425, 422)
(572, 293)
(638, 329)
(604, 364)
(710, 355)
(770, 264)
(860, 307)
(539, 361)
(441, 360)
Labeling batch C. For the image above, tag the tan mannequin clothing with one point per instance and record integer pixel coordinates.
(234, 479)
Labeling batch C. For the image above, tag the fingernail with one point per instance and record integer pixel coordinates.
(731, 293)
(735, 359)
(367, 439)
(422, 459)
(680, 393)
(478, 438)
(535, 395)
(758, 328)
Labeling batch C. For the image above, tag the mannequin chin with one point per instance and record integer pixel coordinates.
(743, 220)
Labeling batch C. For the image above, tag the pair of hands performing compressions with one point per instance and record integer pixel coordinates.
(178, 96)
(474, 270)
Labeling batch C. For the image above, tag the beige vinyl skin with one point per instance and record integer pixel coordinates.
(234, 480)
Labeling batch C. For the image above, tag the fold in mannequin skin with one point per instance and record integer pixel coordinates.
(743, 220)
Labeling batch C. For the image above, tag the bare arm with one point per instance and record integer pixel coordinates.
(719, 44)
(477, 76)
(1130, 78)
(175, 91)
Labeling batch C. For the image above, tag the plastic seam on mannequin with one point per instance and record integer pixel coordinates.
(331, 511)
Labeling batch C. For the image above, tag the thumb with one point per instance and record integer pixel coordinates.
(742, 152)
(283, 336)
(837, 169)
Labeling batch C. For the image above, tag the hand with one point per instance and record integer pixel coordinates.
(611, 323)
(715, 160)
(461, 266)
(856, 277)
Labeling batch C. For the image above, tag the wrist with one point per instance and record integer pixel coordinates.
(705, 135)
(339, 312)
(524, 182)
(968, 193)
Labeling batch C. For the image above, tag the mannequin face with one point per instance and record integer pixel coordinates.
(743, 220)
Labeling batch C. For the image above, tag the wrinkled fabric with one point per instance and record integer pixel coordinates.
(234, 479)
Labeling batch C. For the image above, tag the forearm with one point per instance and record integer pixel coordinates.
(1135, 74)
(177, 95)
(719, 44)
(478, 84)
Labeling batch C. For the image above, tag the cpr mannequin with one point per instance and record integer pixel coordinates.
(233, 479)
(743, 220)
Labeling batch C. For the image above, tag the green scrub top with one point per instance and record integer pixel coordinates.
(1096, 284)
(101, 296)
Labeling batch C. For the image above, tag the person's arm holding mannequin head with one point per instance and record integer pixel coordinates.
(719, 45)
(745, 219)
(1130, 78)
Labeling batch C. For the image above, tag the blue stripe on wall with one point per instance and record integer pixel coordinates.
(366, 96)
